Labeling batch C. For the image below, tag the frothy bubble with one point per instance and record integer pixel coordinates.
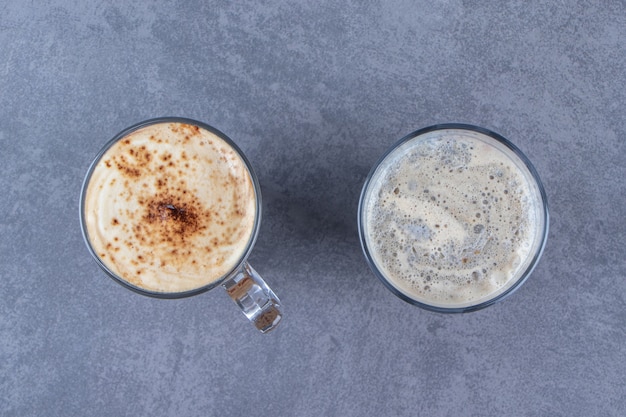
(456, 212)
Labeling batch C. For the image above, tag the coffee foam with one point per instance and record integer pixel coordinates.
(450, 218)
(170, 208)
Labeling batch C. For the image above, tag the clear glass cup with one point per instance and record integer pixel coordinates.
(499, 143)
(242, 283)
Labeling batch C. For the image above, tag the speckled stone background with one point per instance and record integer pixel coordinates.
(313, 92)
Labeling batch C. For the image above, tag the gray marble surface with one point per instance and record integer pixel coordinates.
(313, 92)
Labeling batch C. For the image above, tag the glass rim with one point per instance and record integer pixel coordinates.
(121, 135)
(531, 265)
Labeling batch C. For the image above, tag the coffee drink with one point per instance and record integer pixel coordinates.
(452, 218)
(170, 207)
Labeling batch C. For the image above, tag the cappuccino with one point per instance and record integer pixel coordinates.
(170, 207)
(452, 218)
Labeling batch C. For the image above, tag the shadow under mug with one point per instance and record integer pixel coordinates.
(523, 164)
(242, 283)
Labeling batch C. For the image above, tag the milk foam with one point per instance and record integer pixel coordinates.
(170, 208)
(450, 218)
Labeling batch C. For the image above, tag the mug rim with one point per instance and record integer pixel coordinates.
(195, 291)
(523, 276)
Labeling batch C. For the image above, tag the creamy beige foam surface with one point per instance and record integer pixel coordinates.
(451, 218)
(170, 208)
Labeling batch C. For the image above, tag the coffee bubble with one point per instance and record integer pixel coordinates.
(459, 217)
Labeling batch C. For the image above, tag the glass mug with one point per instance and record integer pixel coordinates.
(171, 208)
(453, 218)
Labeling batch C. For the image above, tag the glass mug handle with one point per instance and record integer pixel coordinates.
(257, 301)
